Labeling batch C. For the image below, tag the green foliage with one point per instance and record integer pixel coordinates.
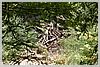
(80, 42)
(16, 38)
(82, 50)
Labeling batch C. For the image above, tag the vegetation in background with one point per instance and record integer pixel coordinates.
(20, 20)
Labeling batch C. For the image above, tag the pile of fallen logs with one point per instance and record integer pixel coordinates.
(48, 39)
